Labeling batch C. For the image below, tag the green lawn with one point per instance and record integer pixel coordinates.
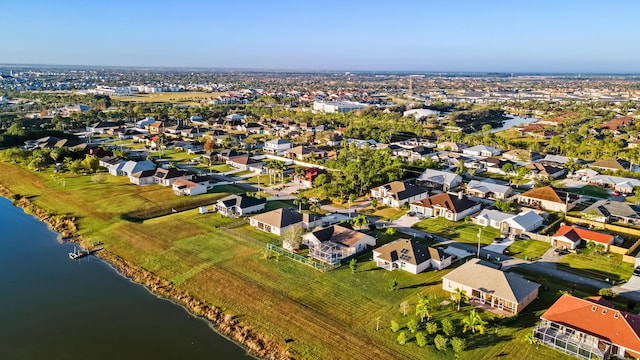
(282, 204)
(221, 168)
(532, 249)
(385, 213)
(601, 267)
(460, 231)
(590, 190)
(278, 297)
(263, 180)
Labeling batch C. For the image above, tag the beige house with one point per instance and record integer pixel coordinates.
(549, 198)
(397, 193)
(410, 256)
(183, 187)
(500, 292)
(334, 243)
(277, 221)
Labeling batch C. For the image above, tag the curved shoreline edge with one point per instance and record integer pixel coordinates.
(227, 325)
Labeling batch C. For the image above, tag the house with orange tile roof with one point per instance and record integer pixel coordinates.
(549, 198)
(589, 329)
(570, 237)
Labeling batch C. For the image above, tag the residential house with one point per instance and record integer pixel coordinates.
(334, 139)
(451, 207)
(144, 177)
(131, 167)
(334, 243)
(276, 146)
(156, 127)
(607, 211)
(585, 174)
(239, 205)
(540, 169)
(621, 184)
(503, 293)
(521, 155)
(174, 129)
(184, 187)
(193, 132)
(101, 127)
(526, 221)
(493, 218)
(589, 329)
(617, 124)
(610, 164)
(113, 165)
(414, 153)
(570, 237)
(482, 150)
(398, 193)
(166, 177)
(243, 162)
(303, 152)
(549, 198)
(411, 256)
(451, 146)
(310, 174)
(439, 180)
(277, 221)
(488, 189)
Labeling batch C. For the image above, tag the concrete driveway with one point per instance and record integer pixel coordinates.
(406, 221)
(498, 247)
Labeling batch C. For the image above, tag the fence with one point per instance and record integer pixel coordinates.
(611, 227)
(615, 228)
(301, 259)
(538, 237)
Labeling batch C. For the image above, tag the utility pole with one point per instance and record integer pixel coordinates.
(479, 235)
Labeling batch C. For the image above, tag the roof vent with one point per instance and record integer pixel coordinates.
(616, 315)
(604, 311)
(594, 308)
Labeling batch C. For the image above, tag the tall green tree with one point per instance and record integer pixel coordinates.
(460, 296)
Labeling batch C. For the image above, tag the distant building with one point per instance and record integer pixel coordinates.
(331, 107)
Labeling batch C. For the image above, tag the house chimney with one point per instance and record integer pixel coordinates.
(460, 195)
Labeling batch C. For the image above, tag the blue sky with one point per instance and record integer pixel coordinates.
(501, 36)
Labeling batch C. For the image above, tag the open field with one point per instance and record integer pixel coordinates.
(190, 98)
(324, 315)
(460, 231)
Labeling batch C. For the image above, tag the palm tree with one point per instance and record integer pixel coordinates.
(530, 338)
(315, 206)
(299, 200)
(473, 322)
(422, 309)
(460, 295)
(378, 319)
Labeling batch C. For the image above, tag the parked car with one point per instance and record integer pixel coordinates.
(616, 193)
(411, 213)
(636, 271)
(498, 239)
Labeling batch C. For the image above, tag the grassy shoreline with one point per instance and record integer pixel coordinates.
(293, 310)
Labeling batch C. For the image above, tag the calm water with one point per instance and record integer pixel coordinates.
(514, 121)
(54, 308)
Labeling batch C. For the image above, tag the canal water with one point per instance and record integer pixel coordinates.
(514, 121)
(54, 308)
